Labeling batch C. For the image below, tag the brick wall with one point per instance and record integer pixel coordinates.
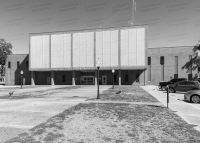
(13, 76)
(169, 54)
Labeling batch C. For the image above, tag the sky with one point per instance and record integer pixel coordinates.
(170, 22)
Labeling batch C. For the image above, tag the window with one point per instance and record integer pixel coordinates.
(9, 64)
(115, 78)
(176, 76)
(137, 77)
(190, 83)
(27, 64)
(18, 64)
(162, 60)
(126, 77)
(149, 60)
(182, 83)
(63, 78)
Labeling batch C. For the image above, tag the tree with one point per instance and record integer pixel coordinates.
(194, 62)
(5, 50)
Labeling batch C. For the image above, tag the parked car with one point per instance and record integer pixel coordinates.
(184, 86)
(192, 96)
(163, 84)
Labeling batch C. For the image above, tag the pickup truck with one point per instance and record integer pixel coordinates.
(163, 84)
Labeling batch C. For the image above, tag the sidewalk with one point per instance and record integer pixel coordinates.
(190, 112)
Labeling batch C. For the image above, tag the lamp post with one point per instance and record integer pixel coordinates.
(98, 66)
(21, 77)
(113, 71)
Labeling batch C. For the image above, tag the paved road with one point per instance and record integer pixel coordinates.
(190, 112)
(19, 115)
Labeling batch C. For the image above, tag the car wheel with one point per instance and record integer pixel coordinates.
(171, 90)
(195, 98)
(163, 88)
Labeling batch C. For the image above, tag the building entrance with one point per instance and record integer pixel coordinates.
(87, 78)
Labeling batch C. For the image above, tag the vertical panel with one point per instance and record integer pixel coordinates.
(32, 51)
(90, 49)
(114, 48)
(83, 49)
(124, 47)
(46, 47)
(99, 45)
(39, 51)
(106, 48)
(67, 51)
(57, 48)
(132, 47)
(76, 47)
(141, 47)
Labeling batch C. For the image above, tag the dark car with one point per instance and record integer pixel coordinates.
(163, 84)
(184, 86)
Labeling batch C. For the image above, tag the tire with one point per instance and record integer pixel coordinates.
(163, 88)
(195, 98)
(171, 90)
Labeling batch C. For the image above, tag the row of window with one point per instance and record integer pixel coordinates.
(162, 69)
(18, 64)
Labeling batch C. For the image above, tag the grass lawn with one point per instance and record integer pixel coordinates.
(128, 94)
(114, 123)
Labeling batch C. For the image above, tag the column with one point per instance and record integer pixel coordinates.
(119, 77)
(52, 78)
(33, 78)
(95, 77)
(73, 77)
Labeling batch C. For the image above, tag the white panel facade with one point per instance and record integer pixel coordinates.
(39, 51)
(83, 45)
(76, 49)
(141, 47)
(114, 48)
(57, 48)
(83, 50)
(106, 49)
(132, 53)
(124, 47)
(99, 47)
(46, 48)
(67, 51)
(90, 49)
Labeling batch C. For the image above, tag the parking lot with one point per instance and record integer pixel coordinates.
(190, 112)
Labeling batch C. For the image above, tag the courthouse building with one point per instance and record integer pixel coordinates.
(70, 58)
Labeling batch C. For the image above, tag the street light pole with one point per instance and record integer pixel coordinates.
(98, 66)
(21, 77)
(113, 71)
(98, 82)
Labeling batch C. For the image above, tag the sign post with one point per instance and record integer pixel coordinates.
(167, 95)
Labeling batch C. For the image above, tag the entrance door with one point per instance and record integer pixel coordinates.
(104, 79)
(48, 81)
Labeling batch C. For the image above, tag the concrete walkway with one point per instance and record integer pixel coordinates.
(190, 112)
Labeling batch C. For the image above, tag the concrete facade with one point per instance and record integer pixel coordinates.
(174, 59)
(13, 76)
